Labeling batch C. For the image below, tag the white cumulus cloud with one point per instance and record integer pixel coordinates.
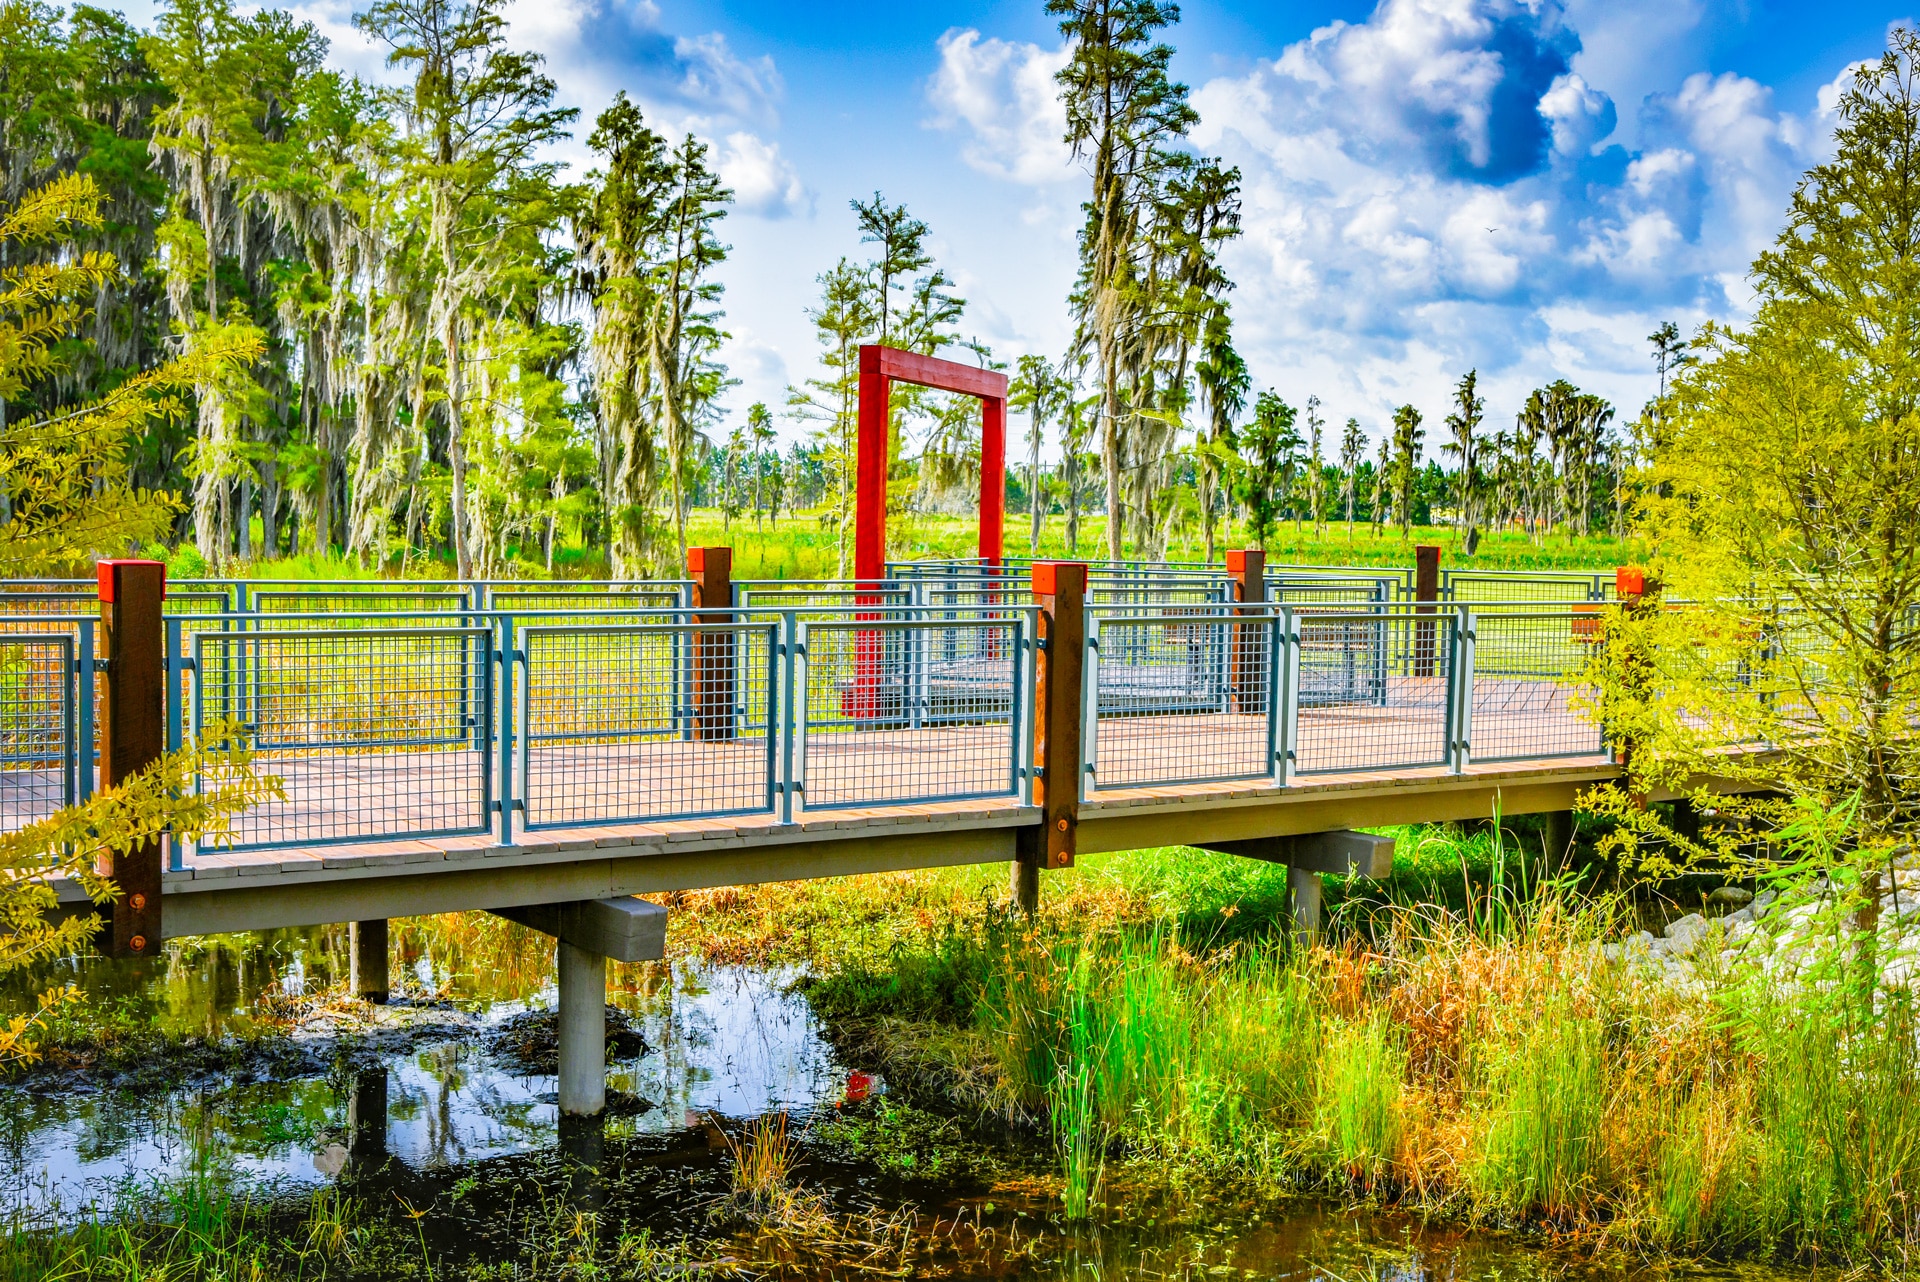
(1003, 92)
(1439, 188)
(763, 181)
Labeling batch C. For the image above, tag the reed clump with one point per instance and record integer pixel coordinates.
(1489, 1066)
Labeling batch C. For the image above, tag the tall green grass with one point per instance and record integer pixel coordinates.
(1485, 1064)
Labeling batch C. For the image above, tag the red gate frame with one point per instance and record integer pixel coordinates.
(880, 368)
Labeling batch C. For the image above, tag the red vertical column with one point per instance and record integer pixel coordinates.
(993, 477)
(132, 735)
(1426, 587)
(870, 475)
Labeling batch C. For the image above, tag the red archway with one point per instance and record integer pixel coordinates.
(880, 368)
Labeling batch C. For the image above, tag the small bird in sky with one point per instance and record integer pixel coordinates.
(1493, 229)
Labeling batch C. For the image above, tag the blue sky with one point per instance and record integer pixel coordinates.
(1523, 186)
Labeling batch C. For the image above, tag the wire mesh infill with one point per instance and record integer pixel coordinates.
(892, 711)
(624, 724)
(374, 733)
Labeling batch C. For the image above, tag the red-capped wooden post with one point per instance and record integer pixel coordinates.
(1247, 571)
(1636, 591)
(1060, 588)
(1426, 587)
(132, 735)
(714, 661)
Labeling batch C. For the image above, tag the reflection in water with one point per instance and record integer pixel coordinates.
(417, 1108)
(418, 1083)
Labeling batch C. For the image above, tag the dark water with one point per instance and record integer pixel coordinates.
(426, 1112)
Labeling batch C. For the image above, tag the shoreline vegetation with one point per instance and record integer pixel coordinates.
(1459, 1049)
(1478, 1061)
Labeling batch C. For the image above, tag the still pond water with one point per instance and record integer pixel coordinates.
(445, 1106)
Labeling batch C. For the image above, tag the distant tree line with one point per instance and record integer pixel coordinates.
(414, 336)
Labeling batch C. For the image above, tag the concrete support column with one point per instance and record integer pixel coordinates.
(1303, 894)
(368, 970)
(582, 1032)
(1025, 885)
(1559, 838)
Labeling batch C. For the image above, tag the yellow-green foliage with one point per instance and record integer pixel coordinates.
(67, 483)
(1783, 501)
(66, 475)
(160, 799)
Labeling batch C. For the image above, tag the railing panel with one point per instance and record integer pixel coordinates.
(1374, 690)
(897, 711)
(1464, 586)
(372, 599)
(38, 734)
(1528, 671)
(1181, 698)
(657, 721)
(375, 733)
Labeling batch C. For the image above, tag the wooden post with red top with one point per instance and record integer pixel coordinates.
(132, 735)
(1426, 587)
(715, 662)
(1060, 589)
(1247, 569)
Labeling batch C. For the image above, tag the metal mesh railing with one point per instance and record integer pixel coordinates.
(657, 721)
(1528, 671)
(379, 600)
(1373, 689)
(389, 712)
(1181, 697)
(376, 732)
(39, 735)
(1515, 586)
(595, 598)
(910, 710)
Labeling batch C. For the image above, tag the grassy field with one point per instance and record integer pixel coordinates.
(806, 546)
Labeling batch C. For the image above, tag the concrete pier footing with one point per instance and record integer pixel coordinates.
(368, 945)
(1307, 855)
(591, 931)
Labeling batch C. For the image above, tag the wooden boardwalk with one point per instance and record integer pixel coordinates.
(355, 837)
(378, 795)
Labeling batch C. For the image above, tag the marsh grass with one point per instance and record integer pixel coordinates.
(1501, 1074)
(1474, 1058)
(806, 545)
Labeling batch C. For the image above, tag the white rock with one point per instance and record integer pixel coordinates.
(1744, 915)
(1684, 936)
